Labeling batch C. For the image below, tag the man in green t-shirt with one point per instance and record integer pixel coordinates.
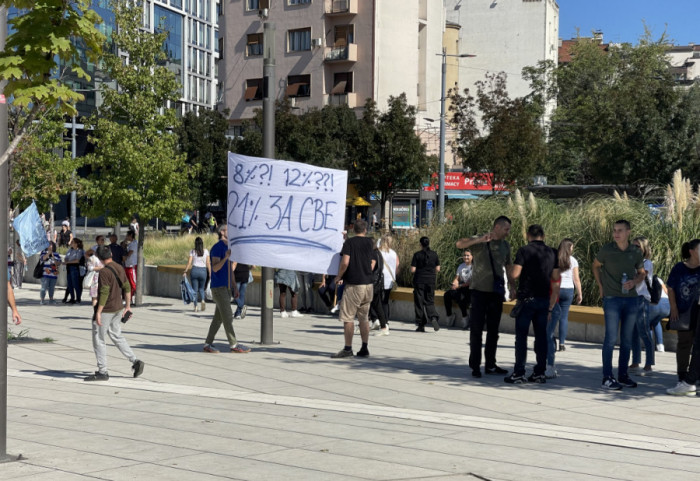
(492, 260)
(618, 268)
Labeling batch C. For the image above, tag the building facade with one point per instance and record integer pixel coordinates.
(333, 52)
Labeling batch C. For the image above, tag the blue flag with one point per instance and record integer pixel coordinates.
(32, 237)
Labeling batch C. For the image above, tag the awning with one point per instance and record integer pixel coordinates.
(358, 202)
(339, 88)
(251, 92)
(293, 89)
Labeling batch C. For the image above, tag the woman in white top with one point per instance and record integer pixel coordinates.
(391, 267)
(94, 265)
(642, 327)
(201, 270)
(569, 292)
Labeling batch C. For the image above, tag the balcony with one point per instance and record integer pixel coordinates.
(348, 98)
(338, 8)
(342, 53)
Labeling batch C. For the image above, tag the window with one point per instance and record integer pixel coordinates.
(254, 45)
(342, 83)
(299, 40)
(257, 4)
(299, 86)
(344, 34)
(253, 89)
(299, 2)
(176, 3)
(221, 47)
(216, 40)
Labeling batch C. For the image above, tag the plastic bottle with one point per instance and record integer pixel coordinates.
(624, 280)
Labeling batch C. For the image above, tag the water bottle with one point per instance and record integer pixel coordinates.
(624, 280)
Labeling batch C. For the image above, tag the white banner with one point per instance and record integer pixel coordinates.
(285, 214)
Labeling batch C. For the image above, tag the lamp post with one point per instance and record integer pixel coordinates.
(441, 178)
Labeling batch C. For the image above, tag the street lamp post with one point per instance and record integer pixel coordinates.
(441, 178)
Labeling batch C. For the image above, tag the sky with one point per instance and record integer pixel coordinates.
(623, 20)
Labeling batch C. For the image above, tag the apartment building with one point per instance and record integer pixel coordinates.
(332, 52)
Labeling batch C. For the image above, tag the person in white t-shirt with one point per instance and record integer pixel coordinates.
(569, 292)
(642, 330)
(201, 271)
(391, 267)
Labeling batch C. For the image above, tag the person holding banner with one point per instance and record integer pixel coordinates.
(355, 273)
(221, 282)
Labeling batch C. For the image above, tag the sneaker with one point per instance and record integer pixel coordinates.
(515, 379)
(562, 347)
(634, 369)
(341, 354)
(237, 316)
(420, 329)
(611, 384)
(41, 303)
(195, 306)
(284, 314)
(244, 309)
(375, 325)
(382, 332)
(137, 367)
(297, 314)
(495, 370)
(476, 373)
(682, 389)
(626, 381)
(240, 349)
(53, 302)
(210, 348)
(203, 306)
(537, 378)
(435, 323)
(660, 347)
(364, 352)
(335, 309)
(451, 320)
(646, 372)
(98, 376)
(550, 373)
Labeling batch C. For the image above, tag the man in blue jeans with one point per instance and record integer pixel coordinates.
(537, 268)
(618, 268)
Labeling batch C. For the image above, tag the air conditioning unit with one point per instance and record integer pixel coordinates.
(263, 13)
(317, 42)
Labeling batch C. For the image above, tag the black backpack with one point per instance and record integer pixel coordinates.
(654, 288)
(378, 272)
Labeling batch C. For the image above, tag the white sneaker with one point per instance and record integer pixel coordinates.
(284, 314)
(375, 325)
(550, 373)
(335, 309)
(682, 389)
(297, 314)
(382, 332)
(660, 347)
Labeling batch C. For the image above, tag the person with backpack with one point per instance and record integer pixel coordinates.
(113, 288)
(424, 266)
(376, 308)
(641, 328)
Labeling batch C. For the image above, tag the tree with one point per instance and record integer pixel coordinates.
(620, 116)
(387, 154)
(39, 51)
(136, 166)
(509, 146)
(203, 139)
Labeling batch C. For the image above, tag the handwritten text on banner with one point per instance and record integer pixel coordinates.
(285, 214)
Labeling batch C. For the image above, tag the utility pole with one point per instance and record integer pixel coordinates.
(73, 196)
(267, 285)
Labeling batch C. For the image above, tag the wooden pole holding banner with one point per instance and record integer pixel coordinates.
(267, 282)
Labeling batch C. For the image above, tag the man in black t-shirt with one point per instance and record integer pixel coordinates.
(424, 266)
(537, 269)
(355, 273)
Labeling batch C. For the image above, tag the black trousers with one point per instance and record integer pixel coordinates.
(486, 311)
(424, 303)
(462, 296)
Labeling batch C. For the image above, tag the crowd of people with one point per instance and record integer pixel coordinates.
(544, 281)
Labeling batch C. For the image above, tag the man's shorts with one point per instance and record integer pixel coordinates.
(355, 302)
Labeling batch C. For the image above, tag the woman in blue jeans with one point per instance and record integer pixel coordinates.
(201, 270)
(74, 260)
(642, 327)
(569, 292)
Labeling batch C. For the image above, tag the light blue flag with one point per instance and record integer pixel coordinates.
(32, 237)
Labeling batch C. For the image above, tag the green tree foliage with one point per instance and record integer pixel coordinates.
(620, 116)
(203, 139)
(42, 168)
(389, 156)
(136, 166)
(510, 142)
(43, 37)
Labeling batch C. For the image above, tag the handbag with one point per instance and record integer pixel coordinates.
(38, 270)
(207, 292)
(88, 279)
(499, 284)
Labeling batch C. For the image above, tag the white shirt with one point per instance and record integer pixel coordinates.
(131, 256)
(567, 276)
(198, 261)
(389, 259)
(642, 289)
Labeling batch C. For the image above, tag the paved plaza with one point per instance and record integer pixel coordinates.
(411, 411)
